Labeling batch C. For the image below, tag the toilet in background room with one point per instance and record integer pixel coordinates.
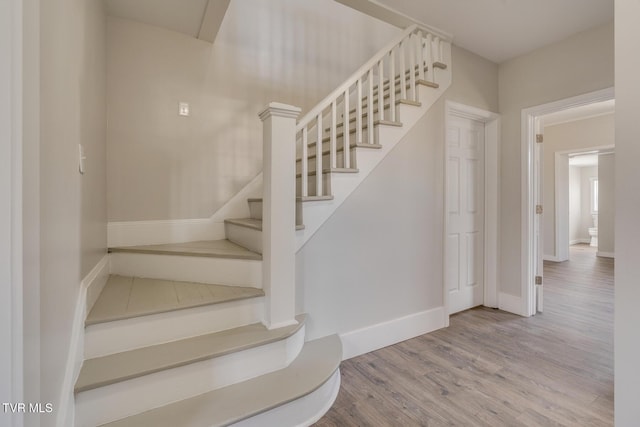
(593, 231)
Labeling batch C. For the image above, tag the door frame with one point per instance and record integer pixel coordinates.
(491, 199)
(529, 174)
(11, 332)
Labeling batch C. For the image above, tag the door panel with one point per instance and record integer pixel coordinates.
(465, 214)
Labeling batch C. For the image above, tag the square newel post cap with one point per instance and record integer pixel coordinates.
(279, 110)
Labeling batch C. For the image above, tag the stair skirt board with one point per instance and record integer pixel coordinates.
(127, 398)
(250, 238)
(301, 412)
(222, 271)
(114, 337)
(342, 186)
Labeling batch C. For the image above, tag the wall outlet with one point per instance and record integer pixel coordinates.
(183, 108)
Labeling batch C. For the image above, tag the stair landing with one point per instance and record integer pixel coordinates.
(205, 248)
(127, 297)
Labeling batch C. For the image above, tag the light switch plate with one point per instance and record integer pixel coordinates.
(81, 158)
(183, 108)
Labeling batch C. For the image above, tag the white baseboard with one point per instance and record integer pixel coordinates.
(550, 258)
(95, 281)
(606, 254)
(510, 303)
(370, 338)
(132, 233)
(576, 241)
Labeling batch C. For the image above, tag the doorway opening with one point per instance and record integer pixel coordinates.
(545, 207)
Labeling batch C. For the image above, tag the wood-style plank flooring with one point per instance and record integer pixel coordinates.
(492, 368)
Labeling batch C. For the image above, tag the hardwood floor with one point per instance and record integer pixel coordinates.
(492, 368)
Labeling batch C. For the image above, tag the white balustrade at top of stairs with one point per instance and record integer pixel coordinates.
(411, 52)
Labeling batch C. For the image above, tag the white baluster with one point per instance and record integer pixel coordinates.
(438, 50)
(304, 171)
(430, 59)
(412, 69)
(403, 70)
(319, 156)
(420, 55)
(332, 141)
(392, 84)
(346, 155)
(370, 107)
(359, 111)
(380, 90)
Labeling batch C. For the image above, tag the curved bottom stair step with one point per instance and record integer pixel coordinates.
(253, 402)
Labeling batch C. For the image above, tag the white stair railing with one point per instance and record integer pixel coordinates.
(413, 51)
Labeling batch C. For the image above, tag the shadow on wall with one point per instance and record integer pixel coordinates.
(187, 167)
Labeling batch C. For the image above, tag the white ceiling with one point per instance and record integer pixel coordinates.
(503, 29)
(184, 16)
(495, 29)
(579, 113)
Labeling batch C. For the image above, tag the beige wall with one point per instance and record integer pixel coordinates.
(368, 278)
(627, 267)
(586, 218)
(575, 203)
(162, 166)
(580, 64)
(606, 203)
(72, 206)
(580, 134)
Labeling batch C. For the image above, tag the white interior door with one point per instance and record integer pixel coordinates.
(464, 246)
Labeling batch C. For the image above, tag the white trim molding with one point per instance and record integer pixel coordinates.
(11, 228)
(491, 197)
(606, 254)
(92, 283)
(578, 241)
(510, 303)
(374, 337)
(529, 172)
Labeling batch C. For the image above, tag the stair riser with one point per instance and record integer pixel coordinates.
(256, 211)
(311, 185)
(249, 238)
(221, 271)
(326, 161)
(116, 401)
(122, 335)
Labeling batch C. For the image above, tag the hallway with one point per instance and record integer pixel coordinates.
(492, 368)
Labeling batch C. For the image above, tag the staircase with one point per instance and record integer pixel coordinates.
(205, 333)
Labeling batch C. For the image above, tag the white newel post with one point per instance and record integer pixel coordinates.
(279, 213)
